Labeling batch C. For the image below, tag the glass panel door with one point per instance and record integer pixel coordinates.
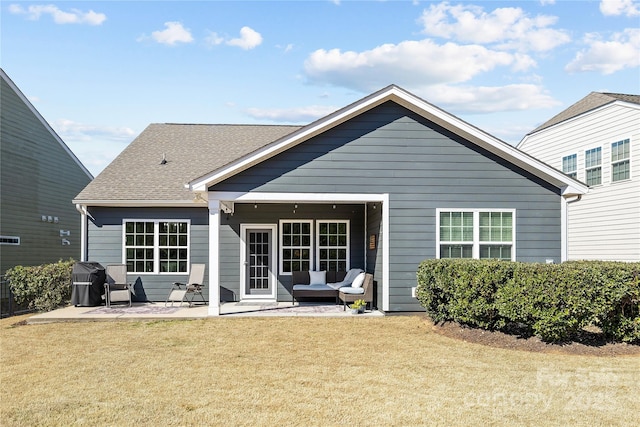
(258, 262)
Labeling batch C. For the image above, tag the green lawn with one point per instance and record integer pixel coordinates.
(298, 371)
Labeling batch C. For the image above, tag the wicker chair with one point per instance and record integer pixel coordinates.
(350, 294)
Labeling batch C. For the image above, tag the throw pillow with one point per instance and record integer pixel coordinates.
(358, 281)
(317, 277)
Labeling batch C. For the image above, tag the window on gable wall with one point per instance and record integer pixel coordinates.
(593, 166)
(570, 165)
(153, 246)
(620, 166)
(476, 234)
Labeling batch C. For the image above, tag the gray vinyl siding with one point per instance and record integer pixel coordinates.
(38, 177)
(422, 167)
(106, 245)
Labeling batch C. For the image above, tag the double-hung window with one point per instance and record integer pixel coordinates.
(570, 165)
(479, 234)
(296, 244)
(333, 245)
(156, 246)
(620, 166)
(593, 166)
(303, 247)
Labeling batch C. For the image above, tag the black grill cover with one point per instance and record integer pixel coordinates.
(88, 284)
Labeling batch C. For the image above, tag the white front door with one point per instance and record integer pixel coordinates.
(258, 261)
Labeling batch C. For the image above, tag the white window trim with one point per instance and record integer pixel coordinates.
(591, 168)
(282, 247)
(476, 231)
(156, 247)
(569, 173)
(243, 260)
(317, 247)
(626, 159)
(15, 240)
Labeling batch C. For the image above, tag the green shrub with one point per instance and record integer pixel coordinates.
(43, 287)
(552, 301)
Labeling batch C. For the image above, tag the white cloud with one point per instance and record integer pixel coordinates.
(292, 115)
(547, 2)
(213, 39)
(95, 146)
(68, 129)
(488, 99)
(608, 56)
(74, 16)
(249, 39)
(174, 33)
(508, 28)
(408, 63)
(620, 7)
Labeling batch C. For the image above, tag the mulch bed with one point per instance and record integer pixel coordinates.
(587, 344)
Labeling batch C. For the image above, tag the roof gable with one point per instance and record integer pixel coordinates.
(588, 103)
(432, 113)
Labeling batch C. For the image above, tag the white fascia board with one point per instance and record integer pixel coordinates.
(494, 145)
(142, 203)
(296, 138)
(413, 103)
(296, 197)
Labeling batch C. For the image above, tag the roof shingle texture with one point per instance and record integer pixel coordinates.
(191, 151)
(588, 103)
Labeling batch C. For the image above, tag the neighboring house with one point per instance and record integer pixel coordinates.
(381, 185)
(597, 141)
(39, 177)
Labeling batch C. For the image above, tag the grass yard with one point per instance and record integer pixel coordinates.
(298, 371)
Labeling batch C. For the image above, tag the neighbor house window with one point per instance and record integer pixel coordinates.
(153, 246)
(10, 240)
(570, 165)
(333, 245)
(295, 245)
(620, 160)
(476, 234)
(593, 166)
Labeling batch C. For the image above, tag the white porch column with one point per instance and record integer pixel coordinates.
(214, 258)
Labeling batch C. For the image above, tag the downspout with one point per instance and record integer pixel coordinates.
(84, 214)
(565, 230)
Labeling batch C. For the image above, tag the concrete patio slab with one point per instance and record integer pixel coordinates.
(158, 311)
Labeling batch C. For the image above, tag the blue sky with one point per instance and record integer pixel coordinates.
(101, 71)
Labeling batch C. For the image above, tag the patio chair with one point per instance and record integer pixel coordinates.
(186, 292)
(116, 287)
(363, 291)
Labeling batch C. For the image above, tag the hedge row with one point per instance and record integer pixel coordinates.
(43, 287)
(551, 301)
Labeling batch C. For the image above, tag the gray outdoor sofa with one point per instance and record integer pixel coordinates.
(318, 284)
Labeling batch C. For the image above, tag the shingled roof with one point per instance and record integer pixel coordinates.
(588, 103)
(138, 174)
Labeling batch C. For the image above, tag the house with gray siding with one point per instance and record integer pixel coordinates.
(380, 184)
(39, 176)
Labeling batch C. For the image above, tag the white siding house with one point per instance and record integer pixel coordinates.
(597, 141)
